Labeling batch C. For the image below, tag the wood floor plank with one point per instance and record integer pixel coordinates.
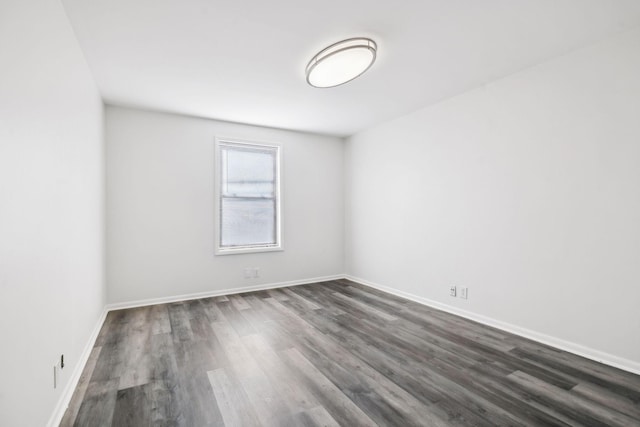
(231, 399)
(379, 302)
(277, 294)
(136, 353)
(198, 401)
(587, 367)
(366, 308)
(529, 402)
(133, 407)
(335, 353)
(404, 407)
(195, 393)
(407, 374)
(211, 309)
(307, 302)
(344, 367)
(76, 400)
(239, 302)
(112, 329)
(608, 398)
(318, 299)
(321, 417)
(341, 408)
(160, 322)
(593, 413)
(236, 319)
(297, 398)
(179, 320)
(110, 361)
(167, 395)
(98, 405)
(265, 400)
(619, 384)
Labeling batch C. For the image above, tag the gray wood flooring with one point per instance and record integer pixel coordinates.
(334, 353)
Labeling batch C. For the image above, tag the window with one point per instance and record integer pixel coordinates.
(247, 197)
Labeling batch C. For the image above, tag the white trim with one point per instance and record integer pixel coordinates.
(216, 293)
(248, 250)
(571, 347)
(67, 393)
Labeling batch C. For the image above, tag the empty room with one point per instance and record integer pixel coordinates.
(338, 213)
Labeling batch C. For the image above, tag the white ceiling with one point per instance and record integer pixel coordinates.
(244, 60)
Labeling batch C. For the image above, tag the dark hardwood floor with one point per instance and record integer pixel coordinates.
(334, 353)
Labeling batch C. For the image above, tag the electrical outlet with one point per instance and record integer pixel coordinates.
(452, 291)
(62, 361)
(463, 293)
(251, 273)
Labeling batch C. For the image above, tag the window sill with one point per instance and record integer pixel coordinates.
(237, 251)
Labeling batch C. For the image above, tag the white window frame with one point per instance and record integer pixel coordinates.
(219, 250)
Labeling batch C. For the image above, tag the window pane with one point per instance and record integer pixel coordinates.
(248, 172)
(247, 222)
(248, 196)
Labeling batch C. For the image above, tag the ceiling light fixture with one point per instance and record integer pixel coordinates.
(341, 62)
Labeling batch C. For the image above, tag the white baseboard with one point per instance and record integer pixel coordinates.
(216, 293)
(67, 393)
(571, 347)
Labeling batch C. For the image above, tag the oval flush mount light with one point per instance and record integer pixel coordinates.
(341, 62)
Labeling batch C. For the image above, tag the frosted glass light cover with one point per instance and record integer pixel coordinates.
(341, 62)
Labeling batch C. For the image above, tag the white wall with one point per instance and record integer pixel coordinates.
(526, 190)
(160, 222)
(51, 207)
